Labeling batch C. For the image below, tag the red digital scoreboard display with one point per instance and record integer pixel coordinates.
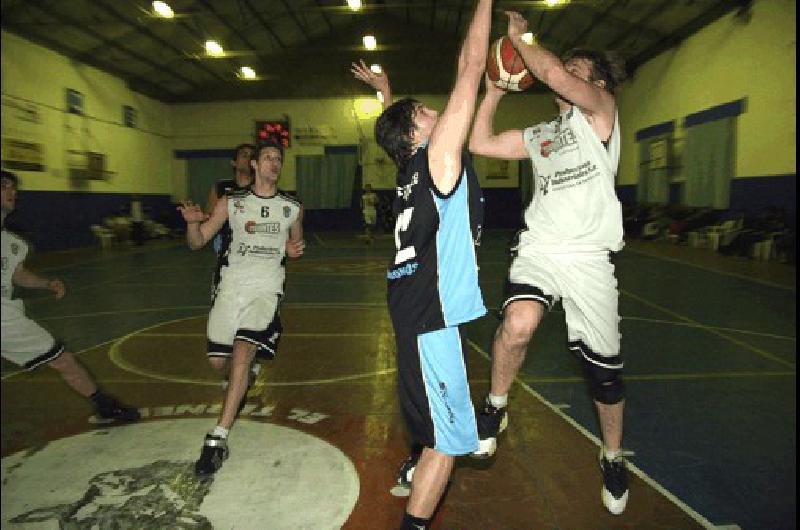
(277, 131)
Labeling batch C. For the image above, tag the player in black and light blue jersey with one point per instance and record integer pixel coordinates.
(433, 279)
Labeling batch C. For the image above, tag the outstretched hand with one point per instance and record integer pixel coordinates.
(191, 212)
(295, 249)
(517, 25)
(58, 288)
(362, 72)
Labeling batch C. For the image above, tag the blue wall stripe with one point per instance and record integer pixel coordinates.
(668, 127)
(726, 110)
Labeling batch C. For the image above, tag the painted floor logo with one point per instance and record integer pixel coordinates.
(141, 476)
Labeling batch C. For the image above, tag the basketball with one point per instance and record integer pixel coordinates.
(505, 68)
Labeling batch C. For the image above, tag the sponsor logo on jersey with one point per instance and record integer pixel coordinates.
(287, 211)
(406, 270)
(14, 248)
(238, 206)
(252, 227)
(405, 191)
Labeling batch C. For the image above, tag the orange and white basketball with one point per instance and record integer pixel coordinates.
(505, 67)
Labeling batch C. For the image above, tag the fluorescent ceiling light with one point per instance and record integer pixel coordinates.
(369, 42)
(553, 3)
(162, 9)
(355, 5)
(213, 48)
(380, 96)
(376, 68)
(527, 38)
(247, 72)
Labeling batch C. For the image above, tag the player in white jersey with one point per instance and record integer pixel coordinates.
(265, 225)
(27, 344)
(573, 224)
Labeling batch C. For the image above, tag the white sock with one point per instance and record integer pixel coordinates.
(611, 455)
(498, 402)
(220, 432)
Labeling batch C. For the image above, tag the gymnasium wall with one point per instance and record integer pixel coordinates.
(34, 83)
(750, 57)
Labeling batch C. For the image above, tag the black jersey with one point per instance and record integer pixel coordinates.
(224, 187)
(433, 280)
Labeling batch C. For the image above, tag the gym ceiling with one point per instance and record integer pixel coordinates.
(303, 48)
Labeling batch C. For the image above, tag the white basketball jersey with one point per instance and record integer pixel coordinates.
(259, 231)
(14, 251)
(574, 207)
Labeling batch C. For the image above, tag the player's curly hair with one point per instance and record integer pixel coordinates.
(393, 131)
(607, 66)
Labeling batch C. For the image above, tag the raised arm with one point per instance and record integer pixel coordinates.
(211, 202)
(508, 145)
(378, 81)
(550, 70)
(199, 227)
(450, 132)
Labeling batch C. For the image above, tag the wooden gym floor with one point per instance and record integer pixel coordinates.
(710, 350)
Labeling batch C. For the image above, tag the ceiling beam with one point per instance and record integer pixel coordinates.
(240, 34)
(596, 21)
(162, 42)
(296, 20)
(264, 24)
(84, 58)
(650, 13)
(324, 16)
(707, 17)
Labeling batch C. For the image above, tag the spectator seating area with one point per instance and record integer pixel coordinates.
(765, 235)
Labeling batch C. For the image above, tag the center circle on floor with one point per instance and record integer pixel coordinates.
(142, 476)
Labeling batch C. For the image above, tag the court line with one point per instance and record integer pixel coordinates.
(757, 351)
(106, 258)
(715, 271)
(115, 354)
(596, 441)
(663, 377)
(208, 308)
(23, 371)
(203, 335)
(319, 239)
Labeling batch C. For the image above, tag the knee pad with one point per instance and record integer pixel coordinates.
(605, 384)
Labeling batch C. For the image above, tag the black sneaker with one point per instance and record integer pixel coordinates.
(615, 484)
(491, 422)
(110, 410)
(405, 476)
(214, 452)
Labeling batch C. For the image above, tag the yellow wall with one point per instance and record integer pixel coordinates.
(726, 61)
(226, 124)
(34, 77)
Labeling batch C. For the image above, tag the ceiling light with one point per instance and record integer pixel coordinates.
(247, 72)
(355, 5)
(213, 48)
(376, 68)
(162, 9)
(380, 96)
(553, 3)
(527, 38)
(369, 42)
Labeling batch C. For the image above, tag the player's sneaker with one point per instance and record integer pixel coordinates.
(214, 452)
(491, 422)
(615, 484)
(405, 476)
(110, 410)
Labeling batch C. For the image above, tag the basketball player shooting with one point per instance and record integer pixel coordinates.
(573, 224)
(433, 279)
